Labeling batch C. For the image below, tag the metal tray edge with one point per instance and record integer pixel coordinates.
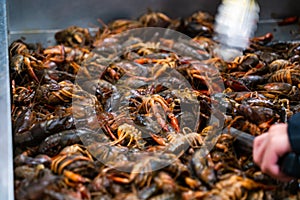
(6, 151)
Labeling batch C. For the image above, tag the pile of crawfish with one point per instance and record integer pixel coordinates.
(93, 122)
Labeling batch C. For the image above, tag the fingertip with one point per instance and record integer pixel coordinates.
(256, 158)
(258, 140)
(274, 170)
(259, 145)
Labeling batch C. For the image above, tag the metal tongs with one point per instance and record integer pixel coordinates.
(289, 163)
(236, 22)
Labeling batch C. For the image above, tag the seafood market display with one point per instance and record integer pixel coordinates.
(130, 112)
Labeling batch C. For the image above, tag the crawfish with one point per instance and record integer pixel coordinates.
(237, 85)
(233, 186)
(141, 173)
(39, 131)
(198, 24)
(155, 105)
(179, 143)
(255, 114)
(251, 81)
(22, 61)
(35, 188)
(291, 76)
(286, 90)
(279, 64)
(74, 36)
(107, 154)
(80, 193)
(203, 167)
(245, 63)
(53, 76)
(121, 25)
(23, 118)
(62, 92)
(264, 39)
(131, 133)
(102, 89)
(244, 125)
(60, 55)
(56, 142)
(24, 159)
(75, 167)
(112, 73)
(26, 172)
(155, 19)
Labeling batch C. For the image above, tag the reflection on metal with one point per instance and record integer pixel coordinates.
(6, 172)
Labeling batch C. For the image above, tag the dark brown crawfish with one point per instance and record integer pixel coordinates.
(155, 105)
(199, 23)
(57, 93)
(108, 154)
(281, 90)
(142, 172)
(179, 143)
(35, 188)
(26, 171)
(294, 52)
(25, 159)
(252, 81)
(233, 186)
(155, 19)
(121, 25)
(203, 167)
(112, 73)
(74, 36)
(53, 144)
(64, 193)
(279, 64)
(22, 62)
(102, 89)
(22, 119)
(291, 76)
(60, 55)
(75, 167)
(257, 114)
(235, 84)
(39, 131)
(244, 63)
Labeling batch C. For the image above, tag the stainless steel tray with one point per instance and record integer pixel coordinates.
(38, 20)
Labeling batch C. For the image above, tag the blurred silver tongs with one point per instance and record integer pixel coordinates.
(236, 22)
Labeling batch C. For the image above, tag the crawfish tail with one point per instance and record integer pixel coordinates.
(41, 130)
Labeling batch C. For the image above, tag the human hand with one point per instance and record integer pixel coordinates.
(269, 147)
